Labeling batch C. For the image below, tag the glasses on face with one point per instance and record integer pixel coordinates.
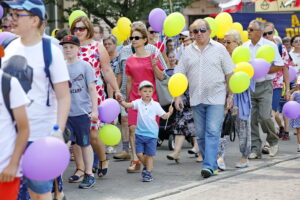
(296, 41)
(15, 16)
(201, 30)
(251, 29)
(80, 29)
(135, 37)
(152, 32)
(267, 33)
(181, 38)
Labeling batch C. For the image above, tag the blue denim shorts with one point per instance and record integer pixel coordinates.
(79, 126)
(39, 187)
(276, 98)
(145, 145)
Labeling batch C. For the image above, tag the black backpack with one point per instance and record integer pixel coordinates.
(24, 73)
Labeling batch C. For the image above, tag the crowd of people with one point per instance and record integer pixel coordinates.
(67, 77)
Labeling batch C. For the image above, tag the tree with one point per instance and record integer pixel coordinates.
(111, 10)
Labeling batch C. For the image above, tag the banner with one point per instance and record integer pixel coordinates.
(275, 6)
(286, 24)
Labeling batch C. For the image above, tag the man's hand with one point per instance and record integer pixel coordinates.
(229, 102)
(9, 173)
(94, 115)
(179, 104)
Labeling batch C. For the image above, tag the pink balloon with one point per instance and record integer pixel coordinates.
(291, 109)
(108, 110)
(261, 67)
(292, 73)
(156, 19)
(45, 159)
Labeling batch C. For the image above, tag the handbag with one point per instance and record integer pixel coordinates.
(164, 96)
(228, 127)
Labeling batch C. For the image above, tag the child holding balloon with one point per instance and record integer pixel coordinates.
(146, 132)
(83, 101)
(295, 123)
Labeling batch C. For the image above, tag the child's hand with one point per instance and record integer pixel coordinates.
(94, 115)
(9, 173)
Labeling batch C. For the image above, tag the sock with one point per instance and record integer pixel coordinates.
(125, 146)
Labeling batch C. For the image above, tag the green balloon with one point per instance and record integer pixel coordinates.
(110, 135)
(174, 24)
(213, 26)
(239, 82)
(241, 54)
(266, 52)
(74, 15)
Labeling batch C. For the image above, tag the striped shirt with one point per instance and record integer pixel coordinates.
(126, 52)
(206, 72)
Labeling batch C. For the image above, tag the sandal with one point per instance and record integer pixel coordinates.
(102, 171)
(75, 178)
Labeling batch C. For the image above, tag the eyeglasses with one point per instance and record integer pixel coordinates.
(251, 29)
(135, 37)
(227, 42)
(80, 29)
(152, 32)
(16, 16)
(181, 38)
(267, 33)
(202, 30)
(296, 41)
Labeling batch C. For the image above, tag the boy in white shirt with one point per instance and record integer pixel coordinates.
(12, 143)
(146, 132)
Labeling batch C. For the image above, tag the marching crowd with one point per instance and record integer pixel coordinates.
(64, 79)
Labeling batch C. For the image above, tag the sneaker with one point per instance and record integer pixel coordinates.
(242, 165)
(221, 164)
(265, 149)
(147, 176)
(254, 155)
(192, 151)
(122, 156)
(144, 171)
(110, 150)
(206, 173)
(134, 167)
(286, 136)
(88, 182)
(274, 150)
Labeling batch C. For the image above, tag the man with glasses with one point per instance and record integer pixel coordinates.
(261, 99)
(182, 36)
(208, 67)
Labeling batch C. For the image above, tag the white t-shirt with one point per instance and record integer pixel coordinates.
(8, 133)
(41, 117)
(146, 119)
(296, 60)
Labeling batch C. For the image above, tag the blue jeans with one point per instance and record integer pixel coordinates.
(208, 122)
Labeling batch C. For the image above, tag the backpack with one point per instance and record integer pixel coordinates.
(25, 74)
(5, 83)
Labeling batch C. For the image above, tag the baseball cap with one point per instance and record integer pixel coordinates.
(70, 39)
(144, 84)
(35, 7)
(185, 33)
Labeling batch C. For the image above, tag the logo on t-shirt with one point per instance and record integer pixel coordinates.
(76, 86)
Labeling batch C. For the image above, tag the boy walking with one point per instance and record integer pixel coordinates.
(83, 101)
(146, 132)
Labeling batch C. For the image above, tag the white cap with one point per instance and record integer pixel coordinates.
(145, 83)
(185, 33)
(298, 80)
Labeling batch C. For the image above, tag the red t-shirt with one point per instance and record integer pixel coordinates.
(140, 69)
(160, 46)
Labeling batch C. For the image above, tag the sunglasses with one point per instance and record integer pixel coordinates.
(181, 38)
(227, 42)
(80, 29)
(267, 33)
(296, 41)
(135, 37)
(152, 32)
(202, 30)
(251, 30)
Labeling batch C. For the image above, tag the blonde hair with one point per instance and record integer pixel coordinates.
(235, 35)
(87, 23)
(270, 24)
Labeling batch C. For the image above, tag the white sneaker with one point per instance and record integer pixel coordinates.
(110, 150)
(221, 164)
(242, 165)
(273, 150)
(254, 155)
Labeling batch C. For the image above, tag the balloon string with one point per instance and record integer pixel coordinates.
(169, 116)
(158, 49)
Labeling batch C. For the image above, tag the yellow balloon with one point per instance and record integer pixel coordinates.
(110, 135)
(213, 26)
(120, 37)
(239, 82)
(174, 24)
(238, 27)
(266, 52)
(241, 54)
(177, 84)
(74, 15)
(222, 29)
(224, 21)
(244, 36)
(245, 67)
(123, 25)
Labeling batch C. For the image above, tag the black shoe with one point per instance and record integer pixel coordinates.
(205, 172)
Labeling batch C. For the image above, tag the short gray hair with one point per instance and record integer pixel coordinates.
(260, 24)
(110, 37)
(197, 22)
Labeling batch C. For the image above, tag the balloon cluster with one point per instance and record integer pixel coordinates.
(122, 30)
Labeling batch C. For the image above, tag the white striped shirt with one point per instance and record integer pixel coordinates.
(206, 72)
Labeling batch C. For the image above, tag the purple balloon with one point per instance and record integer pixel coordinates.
(156, 19)
(292, 73)
(261, 67)
(108, 110)
(45, 159)
(291, 109)
(1, 12)
(5, 35)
